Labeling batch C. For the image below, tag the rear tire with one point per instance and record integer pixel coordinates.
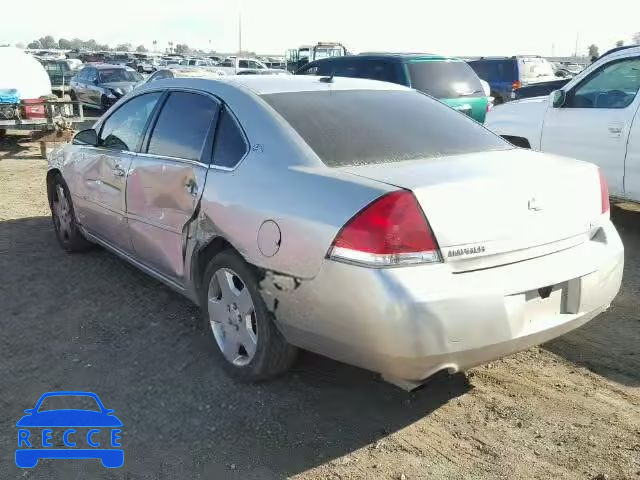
(64, 219)
(246, 340)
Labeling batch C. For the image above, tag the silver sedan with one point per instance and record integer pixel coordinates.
(358, 219)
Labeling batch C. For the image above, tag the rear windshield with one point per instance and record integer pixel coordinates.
(360, 127)
(442, 79)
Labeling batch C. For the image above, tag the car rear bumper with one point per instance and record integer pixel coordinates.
(411, 322)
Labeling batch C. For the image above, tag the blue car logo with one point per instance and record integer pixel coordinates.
(41, 426)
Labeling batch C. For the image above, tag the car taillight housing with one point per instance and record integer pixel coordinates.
(604, 193)
(390, 231)
(516, 85)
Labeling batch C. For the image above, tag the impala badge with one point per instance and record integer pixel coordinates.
(534, 205)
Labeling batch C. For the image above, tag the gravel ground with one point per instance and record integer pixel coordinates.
(569, 409)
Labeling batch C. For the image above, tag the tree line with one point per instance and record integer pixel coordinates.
(48, 42)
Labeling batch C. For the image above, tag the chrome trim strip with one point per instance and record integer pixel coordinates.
(147, 221)
(173, 159)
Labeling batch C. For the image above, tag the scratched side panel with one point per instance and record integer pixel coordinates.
(162, 195)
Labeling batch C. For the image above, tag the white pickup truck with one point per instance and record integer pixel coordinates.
(234, 65)
(594, 117)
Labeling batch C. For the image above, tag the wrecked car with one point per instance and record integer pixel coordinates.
(361, 220)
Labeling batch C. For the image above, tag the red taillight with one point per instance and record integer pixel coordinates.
(516, 85)
(392, 230)
(604, 193)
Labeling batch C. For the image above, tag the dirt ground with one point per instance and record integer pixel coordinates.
(569, 409)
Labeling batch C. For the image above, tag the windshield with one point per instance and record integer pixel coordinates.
(109, 75)
(66, 402)
(444, 79)
(360, 127)
(533, 68)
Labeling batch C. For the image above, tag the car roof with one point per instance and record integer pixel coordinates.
(393, 56)
(267, 84)
(103, 66)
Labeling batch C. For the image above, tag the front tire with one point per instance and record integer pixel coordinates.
(64, 218)
(247, 342)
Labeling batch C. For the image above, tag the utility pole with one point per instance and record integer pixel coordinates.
(240, 30)
(575, 54)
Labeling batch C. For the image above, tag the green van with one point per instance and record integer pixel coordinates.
(448, 79)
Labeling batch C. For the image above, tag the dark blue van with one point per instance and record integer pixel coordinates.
(507, 74)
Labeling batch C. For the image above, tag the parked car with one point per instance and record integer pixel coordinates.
(590, 118)
(540, 89)
(102, 85)
(264, 71)
(60, 74)
(181, 72)
(361, 220)
(235, 65)
(197, 62)
(507, 74)
(143, 63)
(448, 79)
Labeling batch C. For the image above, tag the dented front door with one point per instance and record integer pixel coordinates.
(162, 195)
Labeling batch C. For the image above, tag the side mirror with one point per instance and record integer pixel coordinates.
(86, 137)
(557, 98)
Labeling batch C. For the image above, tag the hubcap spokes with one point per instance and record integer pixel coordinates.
(232, 316)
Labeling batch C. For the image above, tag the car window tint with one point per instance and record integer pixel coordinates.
(92, 75)
(243, 64)
(124, 128)
(613, 86)
(183, 125)
(362, 127)
(230, 145)
(445, 79)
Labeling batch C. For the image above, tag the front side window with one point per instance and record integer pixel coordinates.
(230, 146)
(613, 86)
(243, 64)
(183, 126)
(350, 127)
(123, 130)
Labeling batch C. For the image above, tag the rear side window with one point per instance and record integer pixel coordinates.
(495, 70)
(183, 125)
(230, 146)
(445, 79)
(350, 127)
(124, 128)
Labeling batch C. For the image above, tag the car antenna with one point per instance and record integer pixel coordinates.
(328, 79)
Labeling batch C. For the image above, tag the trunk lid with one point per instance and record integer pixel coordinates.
(490, 208)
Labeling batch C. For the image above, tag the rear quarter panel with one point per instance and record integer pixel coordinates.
(282, 180)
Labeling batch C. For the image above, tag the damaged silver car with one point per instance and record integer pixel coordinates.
(358, 219)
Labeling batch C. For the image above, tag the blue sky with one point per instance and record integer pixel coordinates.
(460, 27)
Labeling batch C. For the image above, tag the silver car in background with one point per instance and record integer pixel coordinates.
(358, 219)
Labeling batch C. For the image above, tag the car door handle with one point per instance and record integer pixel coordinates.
(191, 186)
(118, 171)
(615, 129)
